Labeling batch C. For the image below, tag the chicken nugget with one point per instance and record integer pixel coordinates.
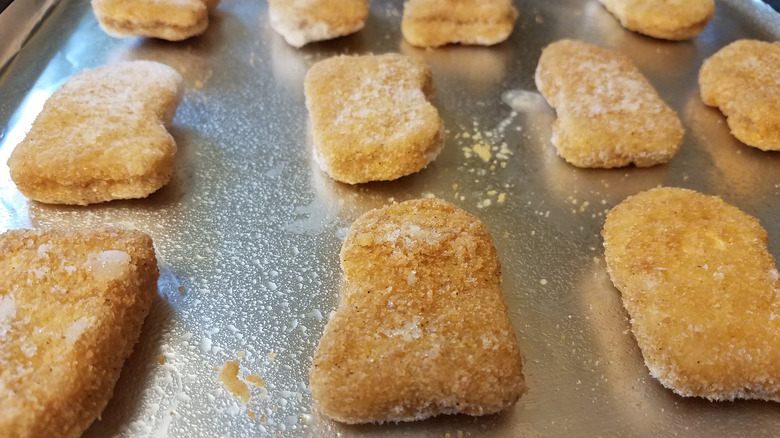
(702, 291)
(433, 23)
(608, 113)
(101, 136)
(743, 81)
(301, 22)
(663, 19)
(421, 328)
(172, 20)
(370, 117)
(71, 308)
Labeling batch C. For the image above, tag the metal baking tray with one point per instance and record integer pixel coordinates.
(248, 231)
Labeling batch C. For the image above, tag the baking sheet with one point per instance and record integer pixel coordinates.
(248, 231)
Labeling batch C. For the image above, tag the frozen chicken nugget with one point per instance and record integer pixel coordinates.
(433, 23)
(71, 309)
(743, 81)
(663, 19)
(370, 117)
(421, 328)
(304, 21)
(608, 113)
(172, 20)
(101, 137)
(702, 292)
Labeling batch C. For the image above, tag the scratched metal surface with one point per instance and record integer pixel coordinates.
(248, 231)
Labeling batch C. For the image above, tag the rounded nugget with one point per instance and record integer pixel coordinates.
(743, 81)
(172, 20)
(421, 328)
(702, 291)
(301, 22)
(101, 136)
(663, 19)
(71, 309)
(608, 113)
(433, 23)
(370, 117)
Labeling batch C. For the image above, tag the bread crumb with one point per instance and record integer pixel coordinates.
(228, 376)
(255, 380)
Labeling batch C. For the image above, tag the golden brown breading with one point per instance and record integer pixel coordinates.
(702, 291)
(433, 23)
(664, 19)
(370, 117)
(608, 113)
(71, 308)
(172, 20)
(303, 21)
(421, 328)
(101, 136)
(743, 81)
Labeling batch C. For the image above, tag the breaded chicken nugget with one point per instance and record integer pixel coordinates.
(304, 21)
(101, 136)
(370, 117)
(664, 19)
(702, 291)
(421, 328)
(71, 309)
(172, 20)
(608, 113)
(433, 23)
(743, 81)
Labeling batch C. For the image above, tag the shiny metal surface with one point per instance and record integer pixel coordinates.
(248, 231)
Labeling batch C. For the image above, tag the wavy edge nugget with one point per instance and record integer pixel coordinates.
(371, 117)
(743, 81)
(608, 113)
(172, 20)
(663, 19)
(101, 136)
(702, 291)
(71, 308)
(434, 23)
(421, 328)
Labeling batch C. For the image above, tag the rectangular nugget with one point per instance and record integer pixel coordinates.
(608, 113)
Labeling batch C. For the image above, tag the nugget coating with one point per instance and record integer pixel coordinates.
(433, 23)
(743, 81)
(608, 113)
(301, 22)
(172, 20)
(370, 117)
(702, 292)
(71, 308)
(663, 19)
(101, 136)
(421, 328)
